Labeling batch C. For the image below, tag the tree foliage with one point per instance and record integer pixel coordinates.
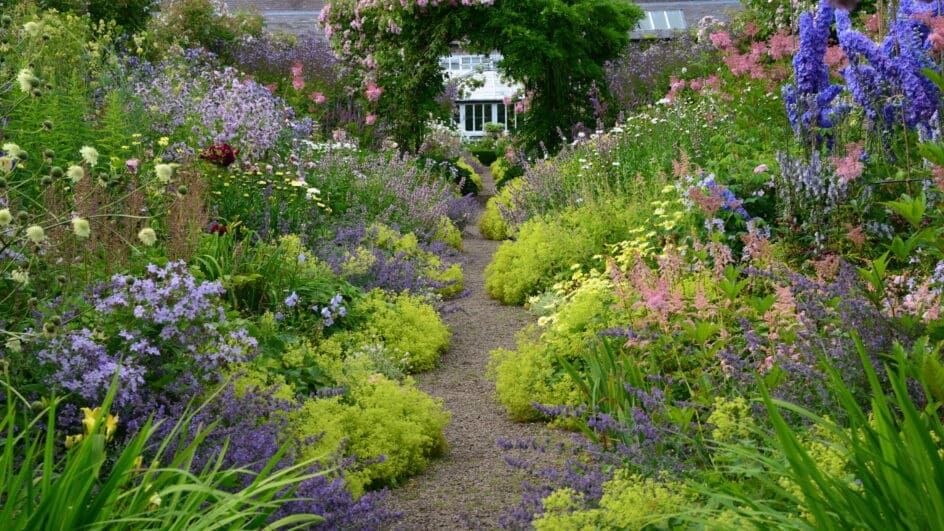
(556, 48)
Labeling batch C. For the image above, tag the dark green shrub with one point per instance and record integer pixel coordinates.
(486, 156)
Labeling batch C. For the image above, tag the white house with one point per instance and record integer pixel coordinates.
(484, 95)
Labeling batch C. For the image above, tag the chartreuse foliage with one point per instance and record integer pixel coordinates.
(628, 502)
(391, 427)
(411, 331)
(547, 247)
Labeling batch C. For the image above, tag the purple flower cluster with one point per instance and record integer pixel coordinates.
(886, 79)
(829, 313)
(202, 105)
(641, 74)
(162, 333)
(809, 100)
(331, 311)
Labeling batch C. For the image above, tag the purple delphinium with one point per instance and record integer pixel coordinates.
(809, 100)
(886, 80)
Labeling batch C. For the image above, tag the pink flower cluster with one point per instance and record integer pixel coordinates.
(849, 167)
(298, 81)
(780, 46)
(700, 85)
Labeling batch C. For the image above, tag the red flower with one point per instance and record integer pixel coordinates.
(217, 228)
(220, 154)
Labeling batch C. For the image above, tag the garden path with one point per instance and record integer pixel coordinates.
(470, 485)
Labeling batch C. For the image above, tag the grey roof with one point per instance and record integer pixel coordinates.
(299, 16)
(694, 11)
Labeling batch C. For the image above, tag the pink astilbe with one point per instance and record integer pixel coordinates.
(849, 167)
(835, 58)
(782, 45)
(757, 248)
(721, 40)
(856, 235)
(708, 203)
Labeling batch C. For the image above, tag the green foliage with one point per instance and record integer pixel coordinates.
(628, 502)
(881, 469)
(486, 156)
(557, 49)
(547, 247)
(199, 23)
(258, 277)
(409, 328)
(131, 15)
(92, 484)
(377, 418)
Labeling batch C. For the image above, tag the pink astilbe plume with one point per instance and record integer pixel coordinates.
(849, 167)
(721, 40)
(782, 45)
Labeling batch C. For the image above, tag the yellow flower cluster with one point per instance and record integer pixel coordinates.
(92, 422)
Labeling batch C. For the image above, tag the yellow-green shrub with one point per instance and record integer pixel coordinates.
(393, 427)
(533, 372)
(628, 502)
(529, 375)
(547, 247)
(473, 175)
(407, 326)
(492, 225)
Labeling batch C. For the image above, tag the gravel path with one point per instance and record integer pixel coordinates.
(471, 484)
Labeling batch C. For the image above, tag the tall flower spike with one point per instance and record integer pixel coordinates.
(809, 100)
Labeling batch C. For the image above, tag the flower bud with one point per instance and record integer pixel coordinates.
(56, 172)
(182, 189)
(36, 93)
(47, 125)
(48, 154)
(22, 216)
(46, 180)
(5, 217)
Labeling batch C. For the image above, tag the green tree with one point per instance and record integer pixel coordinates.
(556, 48)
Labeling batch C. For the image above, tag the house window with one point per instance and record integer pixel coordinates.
(476, 115)
(662, 20)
